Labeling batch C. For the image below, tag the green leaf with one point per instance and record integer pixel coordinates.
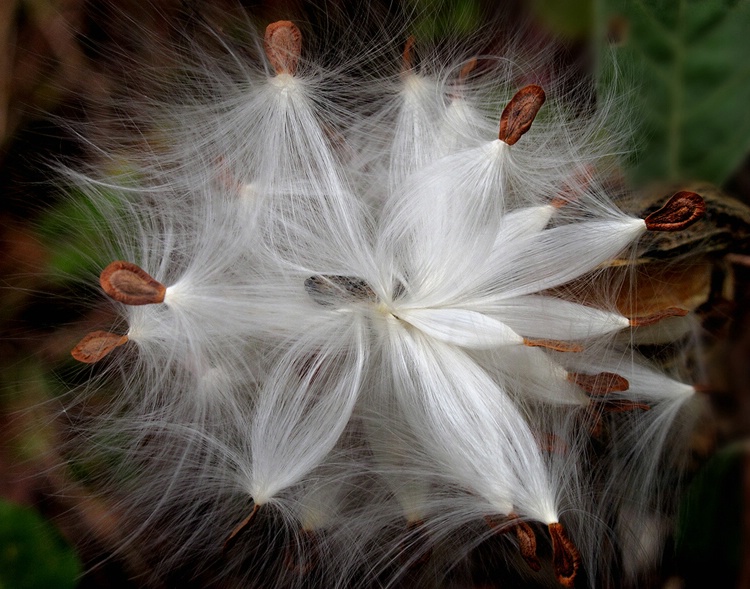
(683, 66)
(32, 553)
(76, 233)
(567, 19)
(445, 18)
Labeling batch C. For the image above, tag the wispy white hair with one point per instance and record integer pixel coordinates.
(362, 355)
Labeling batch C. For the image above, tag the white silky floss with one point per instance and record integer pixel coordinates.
(349, 338)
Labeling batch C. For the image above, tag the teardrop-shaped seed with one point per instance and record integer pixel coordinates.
(520, 113)
(681, 211)
(127, 283)
(283, 45)
(97, 344)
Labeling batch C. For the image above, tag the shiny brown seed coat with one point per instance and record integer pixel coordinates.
(283, 45)
(656, 317)
(407, 57)
(97, 344)
(552, 344)
(622, 406)
(682, 210)
(565, 556)
(527, 544)
(524, 534)
(127, 283)
(599, 384)
(520, 113)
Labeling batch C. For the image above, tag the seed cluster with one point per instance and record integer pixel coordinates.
(357, 333)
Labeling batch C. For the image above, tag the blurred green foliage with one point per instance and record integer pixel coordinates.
(438, 19)
(32, 553)
(76, 234)
(683, 66)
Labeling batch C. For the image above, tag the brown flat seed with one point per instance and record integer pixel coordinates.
(572, 189)
(552, 444)
(308, 549)
(520, 113)
(331, 289)
(416, 546)
(565, 556)
(681, 211)
(527, 544)
(600, 384)
(656, 317)
(551, 344)
(283, 45)
(241, 527)
(524, 534)
(129, 284)
(407, 59)
(467, 69)
(97, 344)
(621, 406)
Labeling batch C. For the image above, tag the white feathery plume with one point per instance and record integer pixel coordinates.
(349, 326)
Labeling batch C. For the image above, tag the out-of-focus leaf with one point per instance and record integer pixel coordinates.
(76, 233)
(445, 18)
(32, 553)
(569, 19)
(709, 533)
(683, 64)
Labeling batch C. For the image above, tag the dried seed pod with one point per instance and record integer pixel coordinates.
(97, 344)
(241, 527)
(682, 210)
(565, 556)
(127, 283)
(656, 317)
(283, 45)
(600, 384)
(520, 113)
